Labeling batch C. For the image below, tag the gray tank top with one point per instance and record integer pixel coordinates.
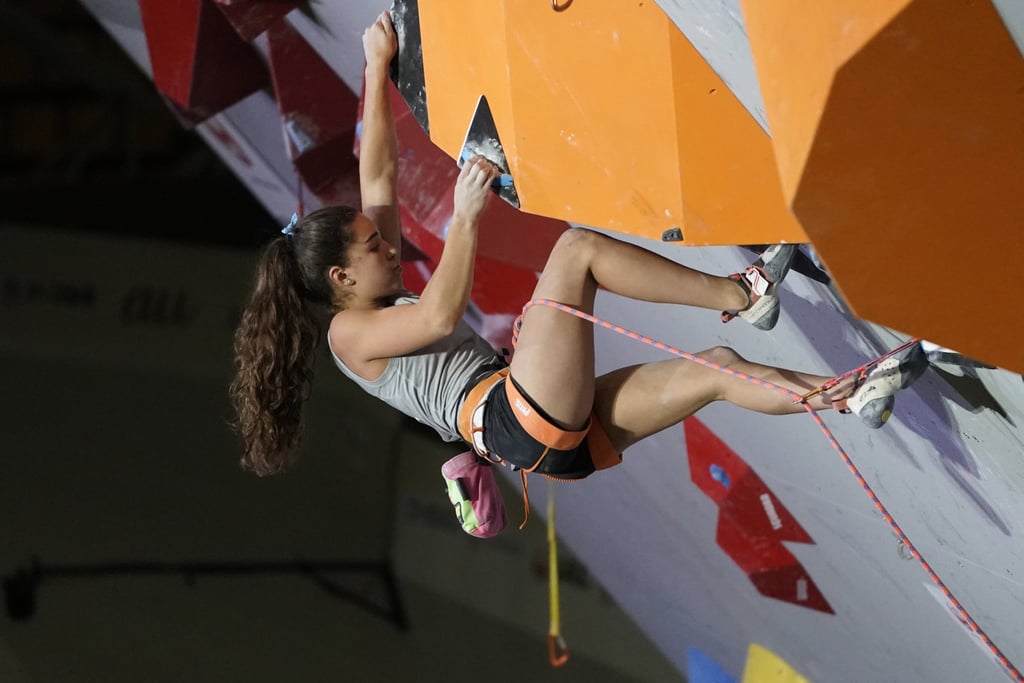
(428, 384)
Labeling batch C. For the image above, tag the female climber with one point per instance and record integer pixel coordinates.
(337, 270)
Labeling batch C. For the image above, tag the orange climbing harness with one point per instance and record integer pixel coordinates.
(471, 414)
(903, 538)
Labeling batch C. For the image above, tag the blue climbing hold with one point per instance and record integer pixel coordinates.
(719, 475)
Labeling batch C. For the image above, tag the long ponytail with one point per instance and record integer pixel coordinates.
(278, 335)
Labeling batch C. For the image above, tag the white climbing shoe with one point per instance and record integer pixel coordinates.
(760, 281)
(872, 400)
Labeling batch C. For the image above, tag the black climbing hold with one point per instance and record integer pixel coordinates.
(672, 235)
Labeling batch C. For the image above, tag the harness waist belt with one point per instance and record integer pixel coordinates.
(475, 398)
(539, 428)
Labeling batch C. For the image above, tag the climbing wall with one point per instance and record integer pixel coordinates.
(884, 133)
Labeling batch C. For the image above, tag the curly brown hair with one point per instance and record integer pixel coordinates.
(278, 335)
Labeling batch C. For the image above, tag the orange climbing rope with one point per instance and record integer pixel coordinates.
(903, 538)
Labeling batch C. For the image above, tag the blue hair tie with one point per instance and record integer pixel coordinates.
(290, 228)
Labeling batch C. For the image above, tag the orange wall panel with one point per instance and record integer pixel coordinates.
(902, 158)
(464, 56)
(609, 117)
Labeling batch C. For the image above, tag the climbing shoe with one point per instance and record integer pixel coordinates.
(872, 398)
(760, 281)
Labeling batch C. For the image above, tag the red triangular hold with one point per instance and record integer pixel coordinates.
(198, 60)
(740, 493)
(318, 111)
(774, 571)
(250, 18)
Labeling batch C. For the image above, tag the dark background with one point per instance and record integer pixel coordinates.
(88, 143)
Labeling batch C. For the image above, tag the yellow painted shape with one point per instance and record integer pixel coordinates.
(764, 666)
(901, 155)
(609, 117)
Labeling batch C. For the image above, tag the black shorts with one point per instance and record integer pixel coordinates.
(505, 437)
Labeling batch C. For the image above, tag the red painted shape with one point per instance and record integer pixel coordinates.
(410, 252)
(704, 449)
(748, 500)
(752, 554)
(318, 111)
(250, 18)
(501, 288)
(498, 288)
(752, 521)
(199, 62)
(416, 274)
(774, 571)
(791, 584)
(759, 512)
(516, 237)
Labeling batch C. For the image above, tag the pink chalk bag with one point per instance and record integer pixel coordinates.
(473, 491)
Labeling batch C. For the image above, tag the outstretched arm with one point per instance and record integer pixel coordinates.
(378, 157)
